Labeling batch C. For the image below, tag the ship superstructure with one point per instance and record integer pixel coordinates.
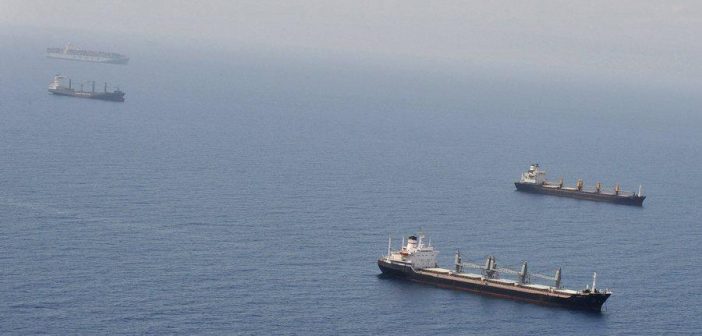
(416, 262)
(534, 181)
(56, 87)
(74, 54)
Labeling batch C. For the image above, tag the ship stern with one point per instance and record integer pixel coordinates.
(392, 269)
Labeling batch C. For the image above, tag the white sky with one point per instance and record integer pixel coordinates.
(639, 39)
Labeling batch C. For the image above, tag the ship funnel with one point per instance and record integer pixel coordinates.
(639, 194)
(411, 243)
(558, 278)
(523, 273)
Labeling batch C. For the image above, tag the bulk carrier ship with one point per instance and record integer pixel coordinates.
(55, 87)
(534, 181)
(416, 262)
(73, 54)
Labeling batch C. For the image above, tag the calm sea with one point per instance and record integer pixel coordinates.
(235, 193)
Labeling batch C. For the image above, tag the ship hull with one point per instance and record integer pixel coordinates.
(588, 302)
(85, 58)
(107, 96)
(585, 195)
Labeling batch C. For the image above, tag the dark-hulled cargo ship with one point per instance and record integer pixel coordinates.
(57, 88)
(416, 262)
(534, 181)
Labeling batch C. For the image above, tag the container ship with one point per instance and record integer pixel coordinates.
(534, 181)
(74, 54)
(416, 261)
(57, 88)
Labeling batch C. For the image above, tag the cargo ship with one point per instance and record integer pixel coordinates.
(416, 261)
(57, 88)
(74, 54)
(534, 181)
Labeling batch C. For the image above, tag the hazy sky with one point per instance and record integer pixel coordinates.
(641, 40)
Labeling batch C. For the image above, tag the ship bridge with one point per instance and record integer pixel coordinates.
(534, 175)
(415, 253)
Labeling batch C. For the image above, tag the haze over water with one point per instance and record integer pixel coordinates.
(237, 192)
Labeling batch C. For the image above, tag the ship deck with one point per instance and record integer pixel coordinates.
(556, 186)
(503, 283)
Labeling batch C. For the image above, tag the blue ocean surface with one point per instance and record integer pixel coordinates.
(238, 193)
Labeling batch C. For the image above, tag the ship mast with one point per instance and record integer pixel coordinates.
(457, 261)
(389, 244)
(594, 280)
(523, 273)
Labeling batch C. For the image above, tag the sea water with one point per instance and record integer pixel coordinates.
(235, 193)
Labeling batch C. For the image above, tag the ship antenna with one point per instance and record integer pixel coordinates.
(639, 190)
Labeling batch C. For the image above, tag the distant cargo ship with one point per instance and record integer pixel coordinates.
(57, 88)
(416, 262)
(70, 53)
(534, 181)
